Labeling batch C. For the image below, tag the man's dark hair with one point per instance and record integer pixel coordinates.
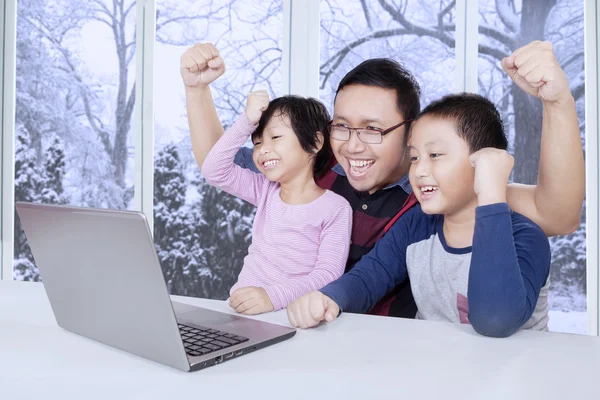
(307, 116)
(387, 74)
(477, 119)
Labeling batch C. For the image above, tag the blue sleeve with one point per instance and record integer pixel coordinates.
(510, 264)
(378, 272)
(243, 158)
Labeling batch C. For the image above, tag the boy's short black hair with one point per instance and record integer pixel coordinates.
(387, 74)
(477, 120)
(307, 116)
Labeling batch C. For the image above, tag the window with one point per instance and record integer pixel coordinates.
(74, 106)
(201, 233)
(504, 25)
(354, 31)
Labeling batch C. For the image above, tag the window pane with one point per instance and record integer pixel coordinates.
(202, 234)
(505, 26)
(353, 31)
(74, 126)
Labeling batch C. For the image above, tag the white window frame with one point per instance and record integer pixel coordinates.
(592, 111)
(144, 109)
(8, 67)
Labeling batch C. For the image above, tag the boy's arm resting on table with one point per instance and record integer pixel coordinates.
(377, 272)
(331, 261)
(509, 266)
(220, 171)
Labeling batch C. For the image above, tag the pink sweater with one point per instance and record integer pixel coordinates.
(295, 248)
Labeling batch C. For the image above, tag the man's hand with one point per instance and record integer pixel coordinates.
(200, 65)
(251, 301)
(256, 104)
(536, 71)
(492, 169)
(310, 309)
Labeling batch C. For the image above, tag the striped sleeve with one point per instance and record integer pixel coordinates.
(220, 170)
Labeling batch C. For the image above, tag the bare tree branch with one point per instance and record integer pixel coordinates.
(365, 8)
(506, 40)
(574, 57)
(578, 90)
(443, 13)
(339, 56)
(415, 29)
(507, 15)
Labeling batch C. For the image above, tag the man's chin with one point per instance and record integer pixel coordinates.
(360, 184)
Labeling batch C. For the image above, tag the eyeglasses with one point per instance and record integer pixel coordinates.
(369, 136)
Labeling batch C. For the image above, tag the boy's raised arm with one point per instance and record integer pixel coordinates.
(510, 261)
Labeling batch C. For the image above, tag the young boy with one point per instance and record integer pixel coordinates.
(469, 258)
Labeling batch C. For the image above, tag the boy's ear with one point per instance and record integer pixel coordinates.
(319, 142)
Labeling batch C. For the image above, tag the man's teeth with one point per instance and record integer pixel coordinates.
(360, 163)
(429, 189)
(270, 163)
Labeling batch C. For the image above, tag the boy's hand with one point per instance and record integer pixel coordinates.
(200, 65)
(310, 309)
(492, 169)
(255, 105)
(251, 301)
(535, 69)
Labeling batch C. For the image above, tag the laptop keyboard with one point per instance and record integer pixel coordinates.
(200, 341)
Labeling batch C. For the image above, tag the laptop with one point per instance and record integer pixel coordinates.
(104, 281)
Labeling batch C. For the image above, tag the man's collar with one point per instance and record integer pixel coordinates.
(402, 182)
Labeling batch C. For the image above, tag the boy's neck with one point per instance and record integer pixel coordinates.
(460, 226)
(301, 189)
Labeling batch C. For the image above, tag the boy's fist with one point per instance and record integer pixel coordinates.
(256, 104)
(492, 169)
(310, 309)
(200, 65)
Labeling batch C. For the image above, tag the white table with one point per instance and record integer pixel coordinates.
(356, 357)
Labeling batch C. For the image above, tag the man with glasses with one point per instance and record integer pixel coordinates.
(373, 107)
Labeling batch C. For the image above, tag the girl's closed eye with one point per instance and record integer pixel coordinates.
(275, 137)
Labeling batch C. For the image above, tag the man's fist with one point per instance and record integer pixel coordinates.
(307, 311)
(200, 65)
(536, 71)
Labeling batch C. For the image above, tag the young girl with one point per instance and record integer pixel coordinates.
(301, 233)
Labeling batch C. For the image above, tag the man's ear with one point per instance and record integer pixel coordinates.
(319, 142)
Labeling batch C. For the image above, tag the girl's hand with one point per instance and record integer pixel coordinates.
(255, 105)
(250, 301)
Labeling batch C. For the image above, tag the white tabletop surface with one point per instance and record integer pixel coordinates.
(355, 357)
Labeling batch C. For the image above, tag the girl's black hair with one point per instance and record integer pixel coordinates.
(307, 116)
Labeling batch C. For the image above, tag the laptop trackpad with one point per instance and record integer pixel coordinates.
(202, 316)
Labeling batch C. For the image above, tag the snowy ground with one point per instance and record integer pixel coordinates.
(568, 322)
